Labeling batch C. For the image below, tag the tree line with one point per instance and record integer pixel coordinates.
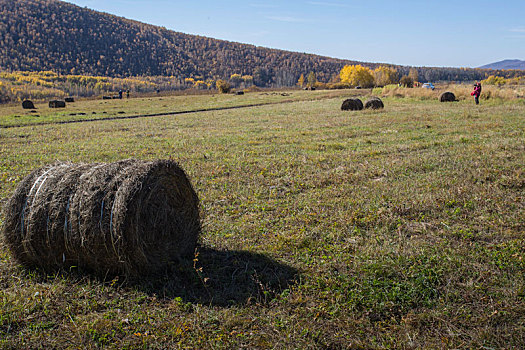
(40, 35)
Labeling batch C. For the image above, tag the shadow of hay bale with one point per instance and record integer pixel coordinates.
(447, 96)
(130, 218)
(224, 278)
(352, 104)
(218, 278)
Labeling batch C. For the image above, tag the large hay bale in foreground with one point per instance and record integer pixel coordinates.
(129, 218)
(28, 104)
(57, 104)
(374, 103)
(352, 104)
(447, 97)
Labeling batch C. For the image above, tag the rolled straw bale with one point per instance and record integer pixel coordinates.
(28, 104)
(126, 218)
(69, 99)
(57, 104)
(447, 97)
(374, 103)
(352, 104)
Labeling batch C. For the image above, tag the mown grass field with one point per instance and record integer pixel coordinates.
(88, 109)
(400, 228)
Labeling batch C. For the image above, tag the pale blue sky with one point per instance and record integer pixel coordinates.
(412, 32)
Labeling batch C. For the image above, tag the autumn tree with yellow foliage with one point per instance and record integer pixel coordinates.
(384, 75)
(248, 80)
(311, 80)
(223, 86)
(301, 81)
(357, 75)
(494, 80)
(20, 85)
(236, 80)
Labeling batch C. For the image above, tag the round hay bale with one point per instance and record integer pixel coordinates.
(374, 103)
(28, 104)
(131, 218)
(69, 99)
(352, 104)
(57, 104)
(447, 97)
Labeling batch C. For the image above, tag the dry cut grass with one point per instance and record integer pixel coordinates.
(462, 92)
(399, 228)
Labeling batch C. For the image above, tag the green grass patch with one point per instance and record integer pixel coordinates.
(399, 228)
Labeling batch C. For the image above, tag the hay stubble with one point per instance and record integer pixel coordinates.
(407, 229)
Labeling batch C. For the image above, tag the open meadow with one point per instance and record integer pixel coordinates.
(321, 229)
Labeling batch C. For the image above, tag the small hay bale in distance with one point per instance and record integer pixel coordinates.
(447, 97)
(132, 218)
(374, 103)
(28, 104)
(69, 99)
(57, 104)
(352, 104)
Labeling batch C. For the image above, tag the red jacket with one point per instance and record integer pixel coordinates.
(477, 91)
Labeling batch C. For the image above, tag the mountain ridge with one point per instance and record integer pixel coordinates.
(505, 64)
(40, 35)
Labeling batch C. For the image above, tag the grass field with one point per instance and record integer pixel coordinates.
(15, 116)
(400, 228)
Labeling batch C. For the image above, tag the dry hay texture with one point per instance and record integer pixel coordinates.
(374, 103)
(352, 104)
(447, 97)
(131, 218)
(28, 104)
(57, 104)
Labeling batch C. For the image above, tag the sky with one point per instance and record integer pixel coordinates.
(406, 32)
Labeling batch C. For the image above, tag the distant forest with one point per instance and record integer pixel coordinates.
(43, 35)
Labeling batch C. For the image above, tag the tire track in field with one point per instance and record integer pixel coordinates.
(200, 110)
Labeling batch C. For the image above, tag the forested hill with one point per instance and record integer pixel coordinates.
(39, 35)
(54, 35)
(506, 64)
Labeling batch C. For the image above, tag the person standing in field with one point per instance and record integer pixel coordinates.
(477, 92)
